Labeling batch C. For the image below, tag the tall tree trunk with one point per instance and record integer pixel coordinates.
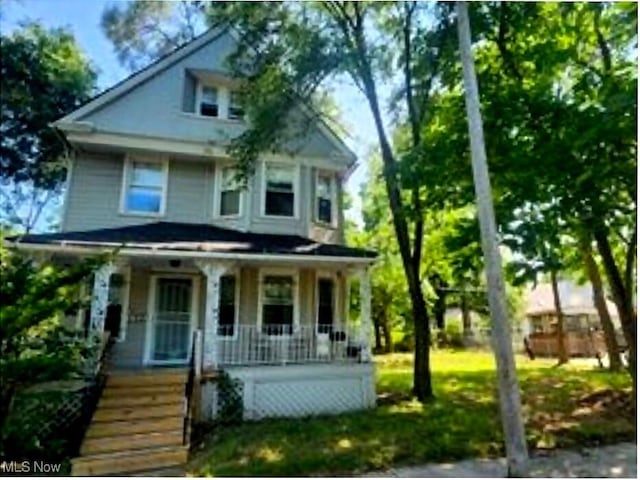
(467, 333)
(621, 298)
(378, 338)
(386, 334)
(563, 356)
(510, 407)
(599, 301)
(422, 387)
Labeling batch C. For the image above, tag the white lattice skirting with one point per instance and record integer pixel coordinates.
(303, 390)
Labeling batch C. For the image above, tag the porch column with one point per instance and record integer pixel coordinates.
(100, 297)
(365, 313)
(213, 271)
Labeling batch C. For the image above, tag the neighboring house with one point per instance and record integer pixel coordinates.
(261, 273)
(582, 327)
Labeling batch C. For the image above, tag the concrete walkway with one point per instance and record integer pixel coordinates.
(614, 461)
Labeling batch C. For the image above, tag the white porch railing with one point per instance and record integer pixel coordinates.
(285, 344)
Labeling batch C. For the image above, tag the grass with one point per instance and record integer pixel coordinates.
(563, 406)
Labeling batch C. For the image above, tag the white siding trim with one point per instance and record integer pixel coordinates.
(125, 271)
(65, 200)
(193, 148)
(148, 252)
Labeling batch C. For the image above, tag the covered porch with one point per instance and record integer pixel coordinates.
(174, 292)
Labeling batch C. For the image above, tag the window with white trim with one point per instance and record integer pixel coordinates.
(209, 101)
(230, 192)
(145, 184)
(277, 304)
(325, 305)
(236, 110)
(280, 190)
(227, 306)
(325, 194)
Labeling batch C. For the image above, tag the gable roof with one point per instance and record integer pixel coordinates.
(72, 121)
(136, 78)
(190, 237)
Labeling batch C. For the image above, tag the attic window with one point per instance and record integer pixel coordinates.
(208, 102)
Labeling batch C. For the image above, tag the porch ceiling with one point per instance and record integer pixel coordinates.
(192, 240)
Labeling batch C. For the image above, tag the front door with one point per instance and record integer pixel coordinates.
(172, 320)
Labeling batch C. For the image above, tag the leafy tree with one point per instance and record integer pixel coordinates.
(558, 91)
(43, 76)
(141, 31)
(286, 51)
(34, 345)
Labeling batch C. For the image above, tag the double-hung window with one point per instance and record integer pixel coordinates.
(209, 103)
(280, 190)
(278, 304)
(145, 184)
(230, 193)
(325, 194)
(235, 110)
(227, 308)
(326, 303)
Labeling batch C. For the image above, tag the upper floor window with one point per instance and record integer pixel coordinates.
(144, 187)
(217, 101)
(208, 103)
(236, 110)
(280, 190)
(230, 192)
(325, 194)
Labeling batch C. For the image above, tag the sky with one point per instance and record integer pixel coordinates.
(82, 18)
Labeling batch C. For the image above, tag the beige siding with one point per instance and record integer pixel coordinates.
(130, 352)
(95, 191)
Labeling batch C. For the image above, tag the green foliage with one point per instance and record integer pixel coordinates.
(142, 31)
(230, 403)
(43, 76)
(34, 344)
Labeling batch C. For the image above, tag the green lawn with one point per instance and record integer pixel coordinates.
(567, 406)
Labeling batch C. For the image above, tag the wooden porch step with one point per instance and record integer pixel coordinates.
(128, 442)
(174, 409)
(128, 400)
(128, 461)
(129, 427)
(145, 390)
(140, 378)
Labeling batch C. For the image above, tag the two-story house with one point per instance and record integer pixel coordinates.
(258, 276)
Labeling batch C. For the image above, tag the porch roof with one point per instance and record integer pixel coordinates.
(190, 238)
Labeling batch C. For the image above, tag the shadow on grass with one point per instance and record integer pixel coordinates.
(462, 422)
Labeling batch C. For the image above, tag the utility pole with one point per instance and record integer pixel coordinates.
(510, 408)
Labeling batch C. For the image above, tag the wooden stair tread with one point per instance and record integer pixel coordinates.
(126, 400)
(132, 390)
(129, 427)
(129, 461)
(130, 442)
(138, 413)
